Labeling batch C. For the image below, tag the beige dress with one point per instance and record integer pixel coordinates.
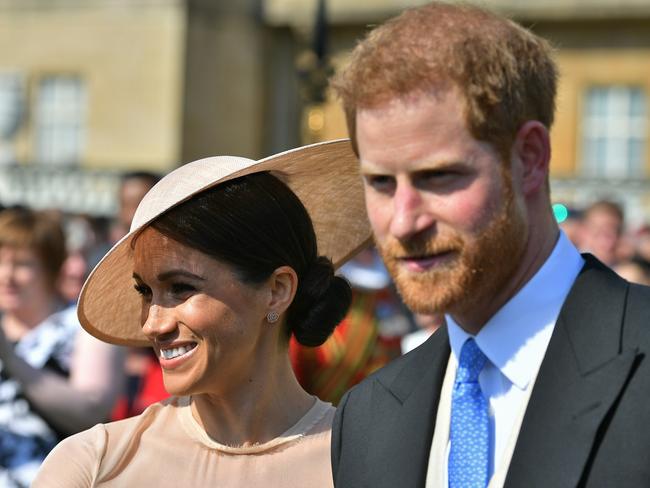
(166, 447)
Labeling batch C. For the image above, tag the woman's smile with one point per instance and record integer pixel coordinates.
(174, 355)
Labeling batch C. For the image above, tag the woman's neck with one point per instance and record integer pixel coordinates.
(17, 323)
(256, 412)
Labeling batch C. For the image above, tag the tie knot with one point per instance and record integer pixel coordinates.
(471, 362)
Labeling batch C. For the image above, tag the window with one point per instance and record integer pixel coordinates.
(614, 132)
(60, 120)
(11, 101)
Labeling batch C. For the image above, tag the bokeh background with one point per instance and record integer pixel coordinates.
(91, 88)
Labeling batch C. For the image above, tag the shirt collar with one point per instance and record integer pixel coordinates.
(516, 337)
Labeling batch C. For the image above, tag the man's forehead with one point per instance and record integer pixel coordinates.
(423, 133)
(413, 100)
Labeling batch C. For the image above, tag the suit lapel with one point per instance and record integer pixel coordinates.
(403, 415)
(581, 376)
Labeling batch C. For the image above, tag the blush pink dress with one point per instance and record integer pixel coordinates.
(166, 447)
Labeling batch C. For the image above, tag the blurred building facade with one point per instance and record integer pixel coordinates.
(89, 88)
(601, 135)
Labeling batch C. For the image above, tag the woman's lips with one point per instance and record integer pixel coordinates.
(175, 355)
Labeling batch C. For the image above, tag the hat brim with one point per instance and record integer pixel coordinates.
(325, 176)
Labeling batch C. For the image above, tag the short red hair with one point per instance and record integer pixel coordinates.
(504, 72)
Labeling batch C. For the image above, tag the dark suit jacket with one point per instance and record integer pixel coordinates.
(587, 423)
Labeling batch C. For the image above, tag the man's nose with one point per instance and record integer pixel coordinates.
(410, 215)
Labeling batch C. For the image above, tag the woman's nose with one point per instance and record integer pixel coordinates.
(159, 321)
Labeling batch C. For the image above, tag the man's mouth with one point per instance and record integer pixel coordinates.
(427, 261)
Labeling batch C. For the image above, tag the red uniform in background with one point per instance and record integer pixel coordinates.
(368, 337)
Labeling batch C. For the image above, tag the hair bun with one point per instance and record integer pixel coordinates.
(321, 302)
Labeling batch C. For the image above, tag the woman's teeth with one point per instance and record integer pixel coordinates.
(176, 351)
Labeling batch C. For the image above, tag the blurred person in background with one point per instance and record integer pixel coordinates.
(634, 270)
(572, 226)
(367, 338)
(133, 187)
(642, 243)
(631, 254)
(55, 379)
(73, 274)
(427, 324)
(81, 240)
(601, 231)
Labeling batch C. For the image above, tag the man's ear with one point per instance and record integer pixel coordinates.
(532, 148)
(283, 285)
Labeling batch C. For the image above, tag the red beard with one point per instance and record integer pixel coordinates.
(476, 267)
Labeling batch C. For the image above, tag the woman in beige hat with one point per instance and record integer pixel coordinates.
(220, 267)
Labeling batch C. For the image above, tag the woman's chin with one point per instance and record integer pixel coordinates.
(176, 386)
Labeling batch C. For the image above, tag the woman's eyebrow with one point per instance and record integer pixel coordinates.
(175, 273)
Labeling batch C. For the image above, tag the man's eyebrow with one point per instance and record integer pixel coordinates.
(417, 167)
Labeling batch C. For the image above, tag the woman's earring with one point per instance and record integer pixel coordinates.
(272, 317)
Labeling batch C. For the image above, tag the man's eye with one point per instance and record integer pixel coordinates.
(435, 178)
(435, 175)
(380, 183)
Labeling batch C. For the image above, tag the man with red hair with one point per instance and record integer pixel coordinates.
(539, 377)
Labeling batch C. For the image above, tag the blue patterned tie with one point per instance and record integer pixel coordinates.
(469, 434)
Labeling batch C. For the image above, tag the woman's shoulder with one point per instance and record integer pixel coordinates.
(74, 461)
(83, 458)
(124, 436)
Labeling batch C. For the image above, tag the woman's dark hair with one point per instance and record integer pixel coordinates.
(256, 224)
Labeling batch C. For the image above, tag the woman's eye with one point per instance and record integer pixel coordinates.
(182, 288)
(143, 290)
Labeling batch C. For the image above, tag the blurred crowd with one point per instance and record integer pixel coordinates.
(600, 229)
(57, 380)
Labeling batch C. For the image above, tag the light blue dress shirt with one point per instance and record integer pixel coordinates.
(515, 340)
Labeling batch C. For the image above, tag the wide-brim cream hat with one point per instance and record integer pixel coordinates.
(324, 176)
